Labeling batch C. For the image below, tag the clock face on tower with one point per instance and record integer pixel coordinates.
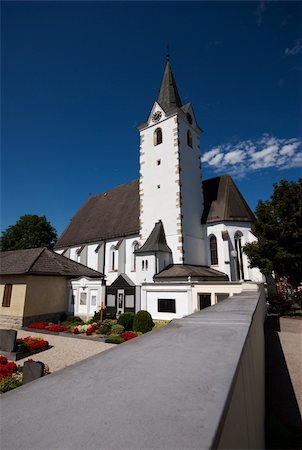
(156, 116)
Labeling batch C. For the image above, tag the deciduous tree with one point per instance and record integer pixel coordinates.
(29, 231)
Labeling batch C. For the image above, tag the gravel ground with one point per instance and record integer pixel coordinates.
(65, 350)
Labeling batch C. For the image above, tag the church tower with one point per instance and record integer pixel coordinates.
(170, 174)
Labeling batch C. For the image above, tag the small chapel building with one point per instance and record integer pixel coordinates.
(170, 242)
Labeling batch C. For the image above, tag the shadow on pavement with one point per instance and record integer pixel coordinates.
(283, 419)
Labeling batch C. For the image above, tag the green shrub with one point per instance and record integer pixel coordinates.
(105, 328)
(73, 319)
(96, 317)
(143, 322)
(114, 340)
(117, 329)
(126, 320)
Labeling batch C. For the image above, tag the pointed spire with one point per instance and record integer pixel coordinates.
(168, 97)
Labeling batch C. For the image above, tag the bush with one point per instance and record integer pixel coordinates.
(96, 317)
(143, 322)
(117, 329)
(114, 340)
(58, 328)
(105, 328)
(73, 319)
(126, 320)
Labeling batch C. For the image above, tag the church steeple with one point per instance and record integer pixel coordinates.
(169, 97)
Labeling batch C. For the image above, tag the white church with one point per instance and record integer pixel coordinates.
(169, 243)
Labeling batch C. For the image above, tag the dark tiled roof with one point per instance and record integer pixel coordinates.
(41, 261)
(156, 242)
(115, 213)
(108, 215)
(203, 273)
(169, 97)
(224, 202)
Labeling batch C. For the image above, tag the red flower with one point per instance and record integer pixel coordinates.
(38, 325)
(7, 369)
(33, 343)
(58, 328)
(3, 360)
(127, 335)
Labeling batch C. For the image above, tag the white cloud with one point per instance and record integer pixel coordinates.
(295, 49)
(261, 7)
(244, 156)
(234, 157)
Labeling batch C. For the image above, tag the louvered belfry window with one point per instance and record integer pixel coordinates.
(7, 295)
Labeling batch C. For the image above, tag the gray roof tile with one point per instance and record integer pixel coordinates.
(42, 261)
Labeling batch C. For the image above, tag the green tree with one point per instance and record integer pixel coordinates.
(279, 233)
(30, 231)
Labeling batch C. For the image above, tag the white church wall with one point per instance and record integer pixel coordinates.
(131, 268)
(110, 272)
(180, 293)
(159, 184)
(191, 195)
(226, 262)
(92, 256)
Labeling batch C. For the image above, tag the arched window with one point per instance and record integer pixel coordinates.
(146, 264)
(143, 265)
(239, 255)
(213, 250)
(189, 138)
(158, 136)
(135, 247)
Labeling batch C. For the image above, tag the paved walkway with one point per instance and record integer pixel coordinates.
(65, 350)
(283, 383)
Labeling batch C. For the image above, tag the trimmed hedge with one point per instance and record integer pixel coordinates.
(143, 322)
(126, 320)
(114, 340)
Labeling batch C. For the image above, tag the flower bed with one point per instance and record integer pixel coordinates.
(7, 368)
(87, 329)
(29, 343)
(38, 325)
(58, 328)
(127, 335)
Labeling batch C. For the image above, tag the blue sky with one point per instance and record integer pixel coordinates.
(77, 77)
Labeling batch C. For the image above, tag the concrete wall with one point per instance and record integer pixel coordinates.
(197, 383)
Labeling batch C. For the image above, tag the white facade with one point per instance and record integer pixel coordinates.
(170, 191)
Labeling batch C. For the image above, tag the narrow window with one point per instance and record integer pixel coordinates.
(158, 136)
(7, 295)
(146, 264)
(143, 265)
(213, 250)
(158, 186)
(166, 305)
(239, 255)
(158, 162)
(135, 247)
(113, 258)
(189, 138)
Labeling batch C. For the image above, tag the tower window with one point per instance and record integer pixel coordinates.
(158, 186)
(158, 162)
(158, 136)
(213, 250)
(189, 139)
